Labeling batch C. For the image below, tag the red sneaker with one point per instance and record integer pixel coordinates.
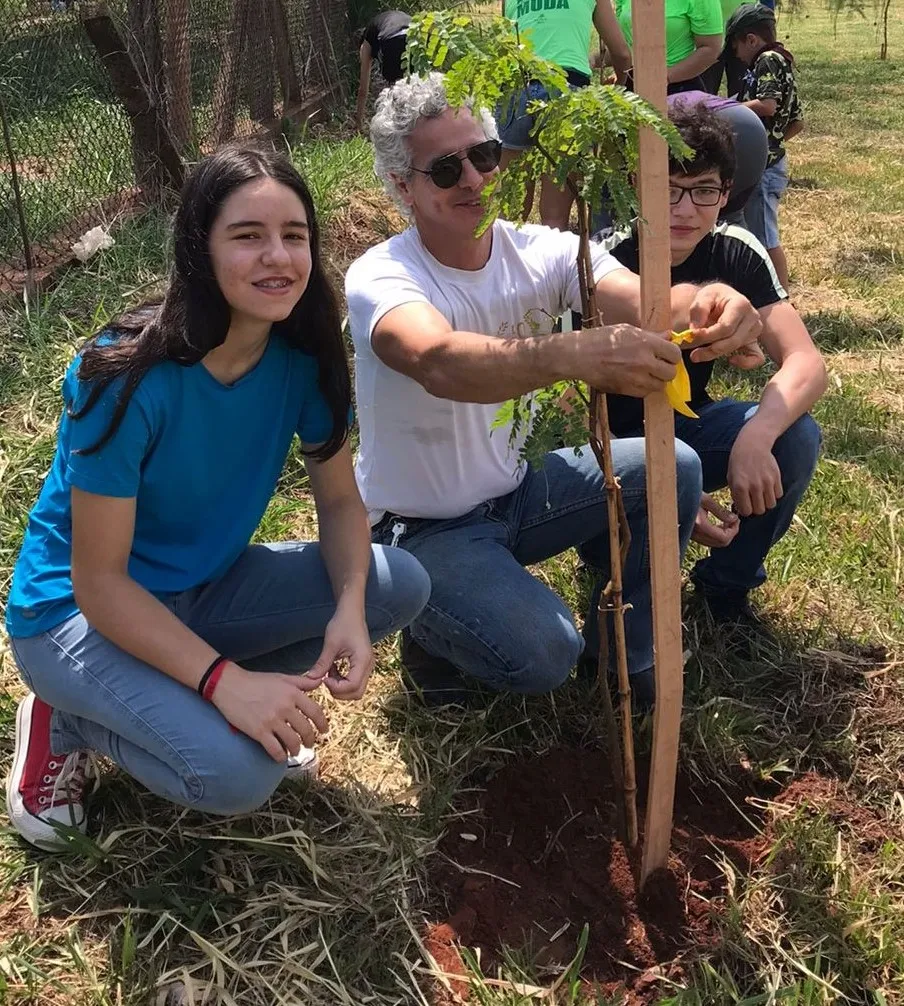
(44, 788)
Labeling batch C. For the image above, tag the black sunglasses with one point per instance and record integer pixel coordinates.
(445, 171)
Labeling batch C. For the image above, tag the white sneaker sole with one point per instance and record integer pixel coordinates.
(35, 830)
(307, 767)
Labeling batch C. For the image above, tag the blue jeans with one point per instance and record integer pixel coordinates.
(495, 621)
(761, 211)
(738, 567)
(269, 612)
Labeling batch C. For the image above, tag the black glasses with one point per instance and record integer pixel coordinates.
(701, 195)
(445, 171)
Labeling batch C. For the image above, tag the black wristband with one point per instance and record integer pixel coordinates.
(214, 664)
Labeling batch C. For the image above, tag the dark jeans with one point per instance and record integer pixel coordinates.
(494, 620)
(738, 567)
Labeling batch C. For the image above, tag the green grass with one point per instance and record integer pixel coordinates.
(319, 897)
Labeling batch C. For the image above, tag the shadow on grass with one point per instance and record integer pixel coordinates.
(839, 330)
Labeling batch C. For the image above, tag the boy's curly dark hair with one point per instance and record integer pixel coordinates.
(710, 139)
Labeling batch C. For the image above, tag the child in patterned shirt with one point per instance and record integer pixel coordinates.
(769, 89)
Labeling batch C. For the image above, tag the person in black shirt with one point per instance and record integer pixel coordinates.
(765, 452)
(383, 38)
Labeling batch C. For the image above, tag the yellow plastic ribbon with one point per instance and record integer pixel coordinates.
(678, 390)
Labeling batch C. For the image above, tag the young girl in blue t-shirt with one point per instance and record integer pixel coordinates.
(144, 624)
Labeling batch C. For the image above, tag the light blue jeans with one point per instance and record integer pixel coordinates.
(268, 612)
(500, 624)
(761, 211)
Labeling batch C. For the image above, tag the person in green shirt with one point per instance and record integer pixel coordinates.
(560, 32)
(693, 39)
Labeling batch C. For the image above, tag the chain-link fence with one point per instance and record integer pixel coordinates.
(101, 103)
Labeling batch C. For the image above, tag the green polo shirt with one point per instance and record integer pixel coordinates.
(683, 20)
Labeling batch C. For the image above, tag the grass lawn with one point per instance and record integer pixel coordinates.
(330, 894)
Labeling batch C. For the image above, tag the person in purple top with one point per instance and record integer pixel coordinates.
(751, 146)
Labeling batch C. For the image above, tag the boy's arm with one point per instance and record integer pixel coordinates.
(753, 474)
(765, 108)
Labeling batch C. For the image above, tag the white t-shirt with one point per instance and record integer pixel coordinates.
(423, 456)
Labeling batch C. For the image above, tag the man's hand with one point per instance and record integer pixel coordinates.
(272, 709)
(346, 639)
(725, 323)
(719, 534)
(624, 360)
(754, 477)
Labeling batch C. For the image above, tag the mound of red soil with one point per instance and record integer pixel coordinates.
(539, 857)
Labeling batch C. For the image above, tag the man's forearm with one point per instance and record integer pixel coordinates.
(699, 60)
(468, 367)
(790, 393)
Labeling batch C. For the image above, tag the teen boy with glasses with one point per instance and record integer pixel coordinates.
(446, 327)
(765, 452)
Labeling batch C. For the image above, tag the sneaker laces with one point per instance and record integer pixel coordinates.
(67, 778)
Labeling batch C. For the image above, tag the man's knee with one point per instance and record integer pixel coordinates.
(689, 472)
(797, 451)
(538, 660)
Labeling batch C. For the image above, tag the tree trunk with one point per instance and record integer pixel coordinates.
(259, 61)
(178, 73)
(226, 90)
(285, 56)
(159, 167)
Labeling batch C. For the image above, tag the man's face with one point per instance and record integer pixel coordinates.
(455, 211)
(689, 222)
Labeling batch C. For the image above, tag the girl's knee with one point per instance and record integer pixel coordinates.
(403, 585)
(238, 784)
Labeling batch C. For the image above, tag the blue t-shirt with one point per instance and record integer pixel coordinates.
(200, 457)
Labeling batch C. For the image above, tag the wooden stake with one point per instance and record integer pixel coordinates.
(648, 29)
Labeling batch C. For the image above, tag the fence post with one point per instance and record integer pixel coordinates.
(158, 165)
(30, 279)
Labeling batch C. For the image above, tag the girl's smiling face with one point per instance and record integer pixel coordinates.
(260, 251)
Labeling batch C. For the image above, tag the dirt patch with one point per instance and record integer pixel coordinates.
(540, 858)
(815, 794)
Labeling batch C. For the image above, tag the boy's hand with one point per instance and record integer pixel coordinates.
(719, 534)
(725, 323)
(754, 477)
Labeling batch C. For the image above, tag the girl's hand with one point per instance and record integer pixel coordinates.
(346, 639)
(273, 709)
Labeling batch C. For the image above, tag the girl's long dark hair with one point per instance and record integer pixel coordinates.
(193, 317)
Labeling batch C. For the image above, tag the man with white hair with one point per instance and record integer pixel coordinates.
(446, 327)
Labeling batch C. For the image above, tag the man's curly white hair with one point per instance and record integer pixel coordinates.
(399, 109)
